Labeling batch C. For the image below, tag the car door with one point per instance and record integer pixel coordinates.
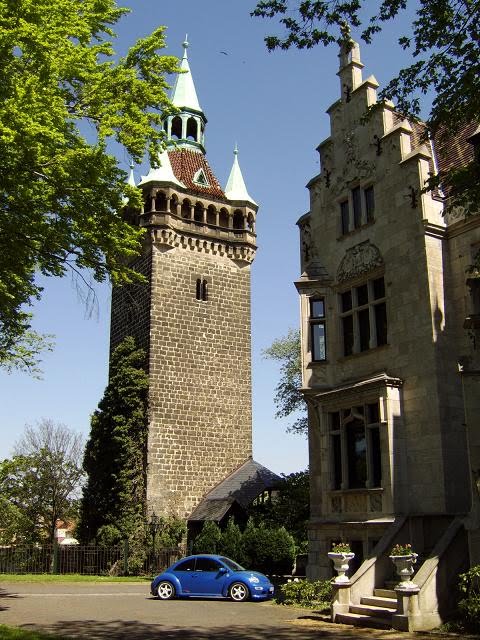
(185, 572)
(210, 576)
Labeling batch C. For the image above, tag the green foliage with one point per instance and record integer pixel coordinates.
(443, 40)
(231, 542)
(208, 540)
(289, 508)
(61, 193)
(108, 535)
(316, 594)
(115, 454)
(288, 399)
(15, 526)
(271, 550)
(41, 481)
(172, 532)
(469, 605)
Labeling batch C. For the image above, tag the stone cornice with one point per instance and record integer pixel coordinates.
(327, 395)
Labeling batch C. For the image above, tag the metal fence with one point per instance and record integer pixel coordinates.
(84, 559)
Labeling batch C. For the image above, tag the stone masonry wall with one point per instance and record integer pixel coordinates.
(200, 377)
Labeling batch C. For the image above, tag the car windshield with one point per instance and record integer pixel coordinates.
(231, 564)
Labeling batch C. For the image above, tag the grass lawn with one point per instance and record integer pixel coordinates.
(14, 633)
(68, 577)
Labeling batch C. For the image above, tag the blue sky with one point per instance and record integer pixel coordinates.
(273, 106)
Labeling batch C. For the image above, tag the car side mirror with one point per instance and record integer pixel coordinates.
(222, 570)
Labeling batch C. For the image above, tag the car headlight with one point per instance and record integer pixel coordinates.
(254, 579)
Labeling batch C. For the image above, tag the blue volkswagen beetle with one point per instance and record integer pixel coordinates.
(211, 576)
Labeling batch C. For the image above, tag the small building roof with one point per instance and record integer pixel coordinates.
(236, 188)
(184, 94)
(186, 164)
(242, 486)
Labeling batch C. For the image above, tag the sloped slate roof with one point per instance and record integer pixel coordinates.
(242, 486)
(186, 163)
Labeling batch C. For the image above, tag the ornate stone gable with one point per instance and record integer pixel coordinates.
(359, 260)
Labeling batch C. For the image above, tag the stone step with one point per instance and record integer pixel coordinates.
(359, 620)
(385, 593)
(371, 610)
(378, 601)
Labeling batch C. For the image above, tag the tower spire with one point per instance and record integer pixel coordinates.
(186, 128)
(236, 188)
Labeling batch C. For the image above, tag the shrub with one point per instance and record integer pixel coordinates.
(208, 540)
(268, 550)
(231, 542)
(304, 593)
(469, 606)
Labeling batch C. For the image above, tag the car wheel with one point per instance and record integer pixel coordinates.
(165, 590)
(239, 592)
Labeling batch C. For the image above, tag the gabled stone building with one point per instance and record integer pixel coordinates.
(193, 317)
(388, 312)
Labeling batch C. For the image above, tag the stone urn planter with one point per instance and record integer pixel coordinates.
(341, 561)
(404, 567)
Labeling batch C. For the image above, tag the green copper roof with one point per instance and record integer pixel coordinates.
(184, 94)
(236, 189)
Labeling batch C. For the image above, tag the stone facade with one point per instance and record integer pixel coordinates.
(384, 300)
(193, 315)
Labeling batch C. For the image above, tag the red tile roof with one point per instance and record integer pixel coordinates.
(185, 164)
(454, 150)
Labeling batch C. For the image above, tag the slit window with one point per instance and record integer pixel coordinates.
(317, 329)
(202, 290)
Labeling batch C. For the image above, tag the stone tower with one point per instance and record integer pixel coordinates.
(193, 318)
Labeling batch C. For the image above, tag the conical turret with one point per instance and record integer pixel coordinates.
(186, 128)
(236, 188)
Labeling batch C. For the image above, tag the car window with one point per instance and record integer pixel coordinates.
(231, 564)
(187, 565)
(207, 564)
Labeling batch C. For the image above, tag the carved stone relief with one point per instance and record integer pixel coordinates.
(358, 260)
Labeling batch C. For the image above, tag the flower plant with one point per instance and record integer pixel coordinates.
(402, 550)
(341, 547)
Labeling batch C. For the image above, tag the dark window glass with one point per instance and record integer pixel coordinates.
(347, 335)
(318, 341)
(188, 565)
(335, 421)
(381, 323)
(357, 207)
(357, 454)
(344, 212)
(199, 290)
(204, 290)
(337, 461)
(207, 564)
(369, 203)
(373, 413)
(231, 564)
(317, 309)
(362, 295)
(378, 289)
(364, 328)
(346, 301)
(376, 457)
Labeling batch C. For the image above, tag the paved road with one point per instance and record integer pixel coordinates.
(126, 611)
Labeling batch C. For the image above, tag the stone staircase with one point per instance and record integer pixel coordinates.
(373, 611)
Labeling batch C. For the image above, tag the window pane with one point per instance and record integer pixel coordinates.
(376, 457)
(346, 301)
(362, 295)
(207, 564)
(318, 341)
(378, 289)
(335, 420)
(337, 462)
(347, 335)
(317, 309)
(344, 215)
(357, 455)
(357, 207)
(373, 413)
(188, 565)
(364, 327)
(369, 203)
(381, 323)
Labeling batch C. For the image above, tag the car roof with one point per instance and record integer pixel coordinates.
(202, 555)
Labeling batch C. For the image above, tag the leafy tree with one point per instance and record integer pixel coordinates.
(443, 41)
(115, 492)
(64, 97)
(288, 399)
(290, 508)
(208, 540)
(271, 550)
(42, 480)
(231, 544)
(15, 526)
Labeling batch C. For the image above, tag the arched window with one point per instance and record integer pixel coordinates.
(160, 201)
(186, 209)
(176, 127)
(192, 129)
(238, 220)
(202, 289)
(223, 220)
(198, 214)
(211, 215)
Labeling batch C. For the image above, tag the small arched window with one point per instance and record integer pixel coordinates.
(202, 289)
